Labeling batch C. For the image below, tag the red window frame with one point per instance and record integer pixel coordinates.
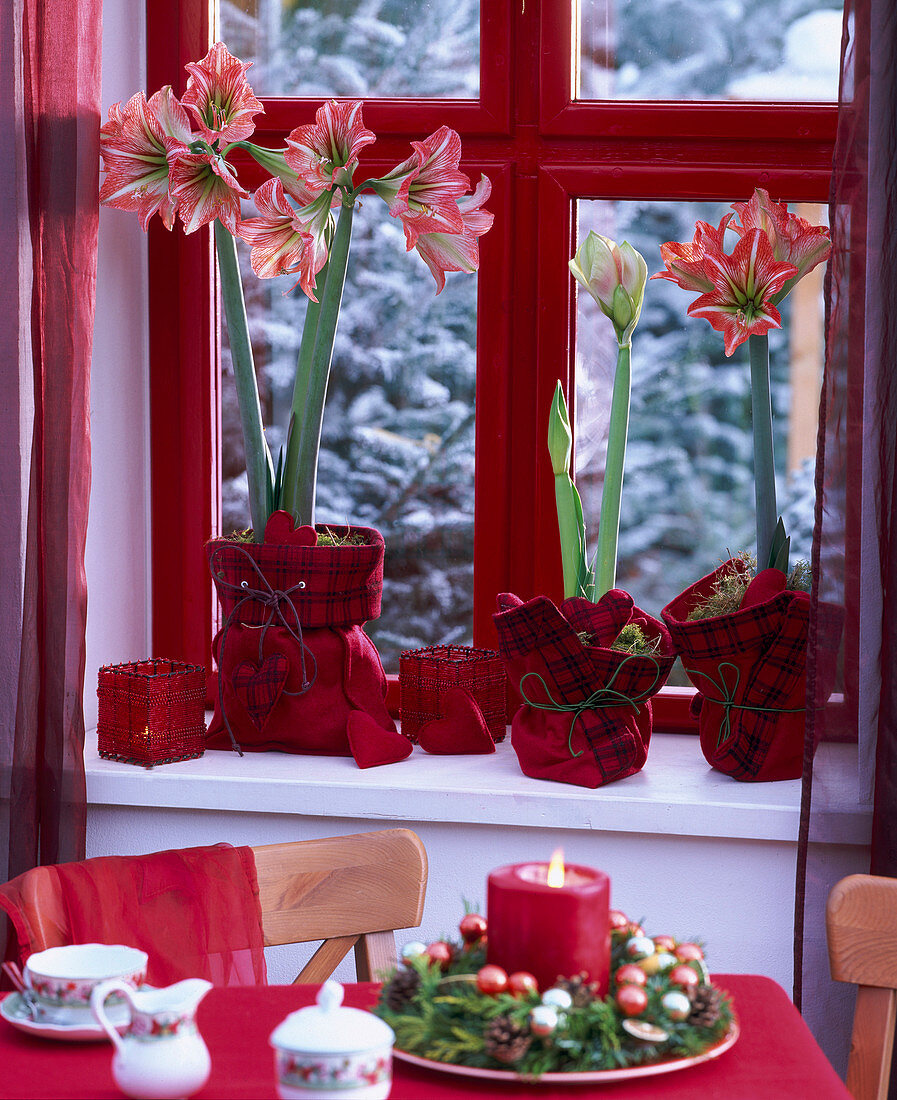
(542, 151)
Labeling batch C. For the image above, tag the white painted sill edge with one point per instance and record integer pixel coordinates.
(676, 794)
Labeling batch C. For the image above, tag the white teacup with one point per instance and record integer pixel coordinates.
(63, 978)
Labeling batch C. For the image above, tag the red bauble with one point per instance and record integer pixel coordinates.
(665, 943)
(684, 975)
(618, 921)
(630, 974)
(440, 953)
(521, 982)
(492, 979)
(472, 928)
(632, 1000)
(686, 952)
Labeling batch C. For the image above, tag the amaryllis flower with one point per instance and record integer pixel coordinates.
(204, 188)
(327, 152)
(740, 302)
(425, 190)
(615, 275)
(685, 262)
(134, 147)
(458, 251)
(219, 96)
(285, 240)
(794, 240)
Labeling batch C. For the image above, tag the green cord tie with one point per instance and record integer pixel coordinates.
(604, 698)
(727, 702)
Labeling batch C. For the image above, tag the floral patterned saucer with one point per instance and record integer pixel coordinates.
(16, 1012)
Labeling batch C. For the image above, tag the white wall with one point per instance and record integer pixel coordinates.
(118, 577)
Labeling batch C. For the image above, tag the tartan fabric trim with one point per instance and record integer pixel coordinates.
(536, 637)
(258, 687)
(754, 658)
(342, 584)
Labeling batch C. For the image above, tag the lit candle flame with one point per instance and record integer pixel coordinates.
(556, 868)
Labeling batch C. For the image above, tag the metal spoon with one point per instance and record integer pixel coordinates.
(12, 971)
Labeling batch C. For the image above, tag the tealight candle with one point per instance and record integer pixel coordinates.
(551, 920)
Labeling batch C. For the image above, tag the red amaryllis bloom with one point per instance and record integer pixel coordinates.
(685, 262)
(204, 188)
(134, 151)
(219, 96)
(327, 152)
(425, 189)
(794, 240)
(285, 240)
(458, 251)
(740, 302)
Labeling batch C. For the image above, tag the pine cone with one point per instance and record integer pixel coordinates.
(401, 988)
(705, 1006)
(506, 1041)
(582, 992)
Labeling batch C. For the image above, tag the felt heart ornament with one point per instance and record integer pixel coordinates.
(279, 531)
(461, 730)
(372, 745)
(258, 687)
(765, 586)
(602, 621)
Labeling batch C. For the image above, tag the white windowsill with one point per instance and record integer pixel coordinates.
(676, 794)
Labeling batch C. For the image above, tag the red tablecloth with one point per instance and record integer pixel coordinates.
(775, 1057)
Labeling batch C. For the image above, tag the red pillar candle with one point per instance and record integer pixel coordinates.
(551, 931)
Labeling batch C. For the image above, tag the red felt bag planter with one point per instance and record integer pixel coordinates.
(293, 660)
(750, 671)
(586, 715)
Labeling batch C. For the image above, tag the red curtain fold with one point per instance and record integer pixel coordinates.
(50, 64)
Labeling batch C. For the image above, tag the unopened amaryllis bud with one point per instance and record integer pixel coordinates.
(615, 276)
(560, 438)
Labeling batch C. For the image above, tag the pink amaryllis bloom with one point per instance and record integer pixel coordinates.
(794, 240)
(685, 261)
(326, 153)
(219, 96)
(739, 304)
(285, 240)
(134, 147)
(204, 188)
(425, 190)
(444, 252)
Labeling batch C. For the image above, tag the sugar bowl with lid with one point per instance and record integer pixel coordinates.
(328, 1050)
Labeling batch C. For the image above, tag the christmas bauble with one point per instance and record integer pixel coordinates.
(632, 1000)
(492, 979)
(639, 947)
(630, 974)
(521, 983)
(663, 960)
(664, 943)
(440, 953)
(618, 920)
(413, 950)
(676, 1005)
(685, 952)
(685, 976)
(543, 1020)
(472, 927)
(557, 998)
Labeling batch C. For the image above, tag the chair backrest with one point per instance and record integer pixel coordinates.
(349, 891)
(861, 923)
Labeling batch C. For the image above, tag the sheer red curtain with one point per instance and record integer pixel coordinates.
(50, 84)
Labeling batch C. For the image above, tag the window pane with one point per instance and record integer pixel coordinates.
(709, 49)
(398, 440)
(688, 491)
(357, 48)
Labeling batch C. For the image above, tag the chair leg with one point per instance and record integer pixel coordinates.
(872, 1043)
(375, 956)
(326, 959)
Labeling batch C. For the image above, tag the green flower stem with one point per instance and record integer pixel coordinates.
(301, 383)
(259, 468)
(303, 472)
(609, 521)
(569, 511)
(764, 461)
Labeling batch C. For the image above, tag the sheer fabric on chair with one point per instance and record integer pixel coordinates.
(195, 911)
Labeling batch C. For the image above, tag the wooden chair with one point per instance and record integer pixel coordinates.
(349, 891)
(861, 923)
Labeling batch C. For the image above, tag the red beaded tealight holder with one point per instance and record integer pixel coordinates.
(425, 675)
(151, 712)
